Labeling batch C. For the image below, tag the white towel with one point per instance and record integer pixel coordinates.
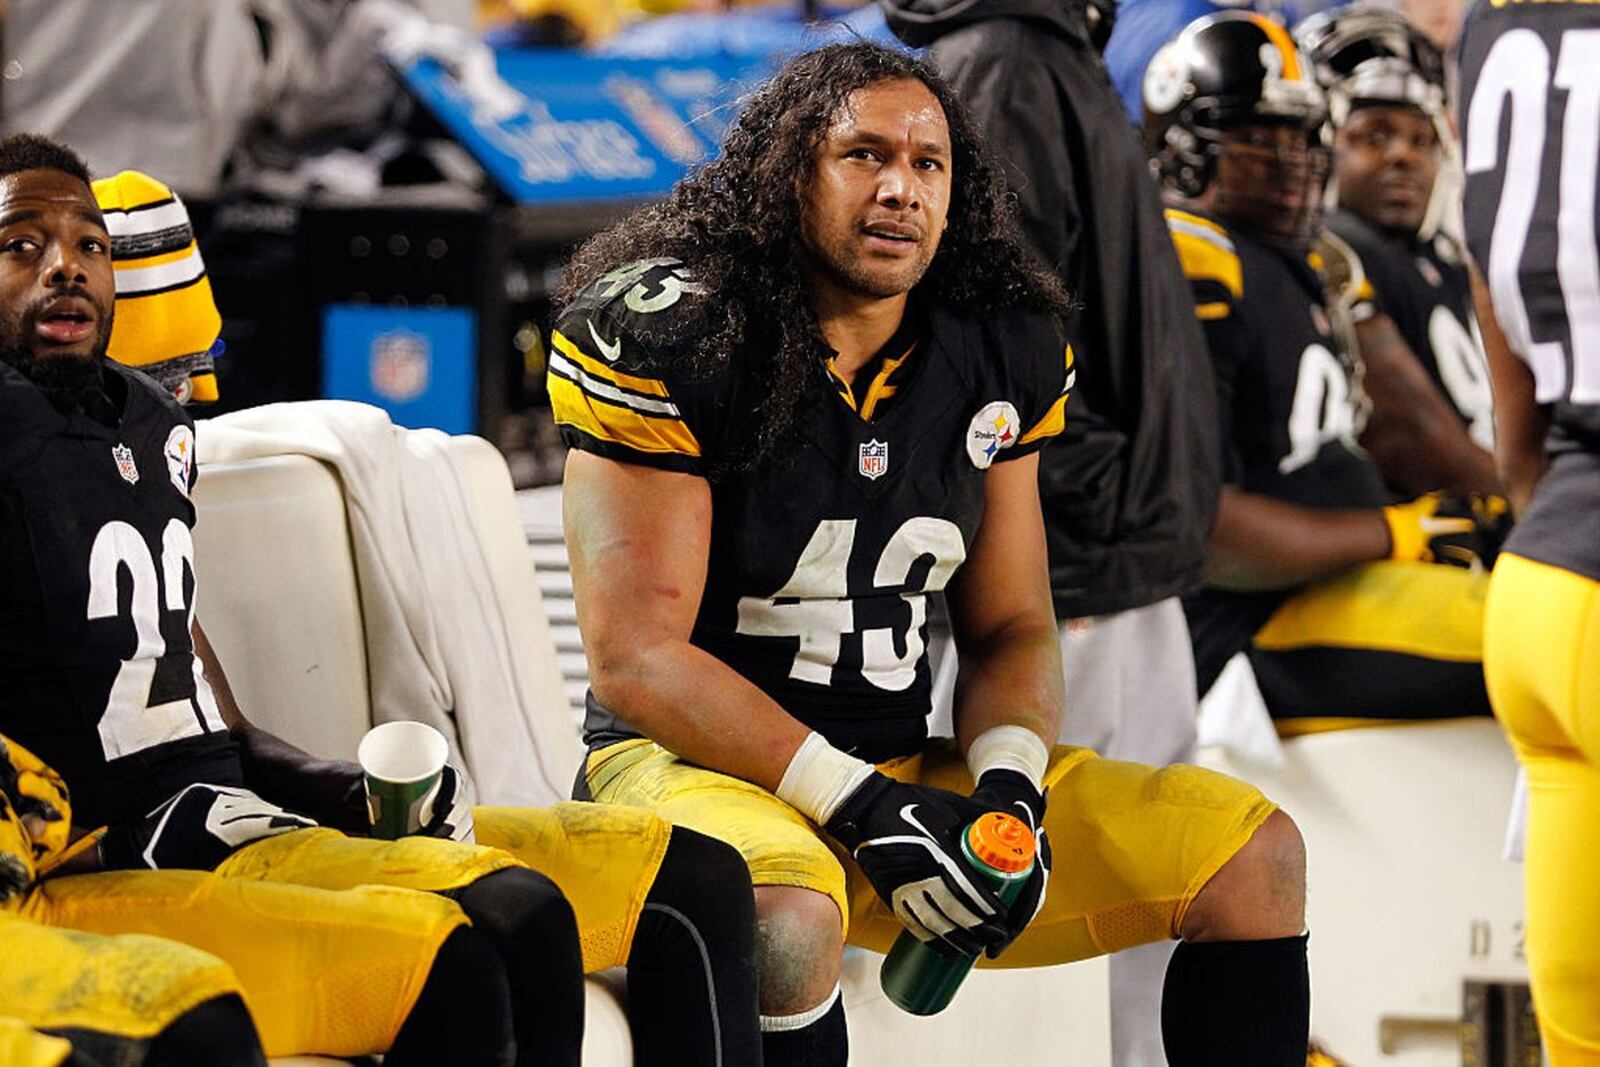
(438, 647)
(1234, 716)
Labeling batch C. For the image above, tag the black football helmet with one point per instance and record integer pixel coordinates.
(1364, 54)
(1209, 94)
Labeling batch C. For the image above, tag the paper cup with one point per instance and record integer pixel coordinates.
(401, 763)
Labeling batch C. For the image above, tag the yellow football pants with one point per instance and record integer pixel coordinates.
(106, 989)
(1381, 643)
(1136, 843)
(603, 858)
(22, 1046)
(320, 972)
(1542, 659)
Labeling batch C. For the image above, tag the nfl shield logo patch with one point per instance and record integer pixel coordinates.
(125, 465)
(874, 459)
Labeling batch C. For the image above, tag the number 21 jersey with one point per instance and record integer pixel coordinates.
(820, 560)
(1531, 148)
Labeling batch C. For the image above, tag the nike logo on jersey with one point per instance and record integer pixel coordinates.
(611, 352)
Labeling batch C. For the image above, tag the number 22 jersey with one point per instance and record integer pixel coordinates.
(97, 671)
(820, 560)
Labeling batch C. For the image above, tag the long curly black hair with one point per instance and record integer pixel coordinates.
(735, 223)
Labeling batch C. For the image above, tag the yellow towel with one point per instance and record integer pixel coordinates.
(166, 322)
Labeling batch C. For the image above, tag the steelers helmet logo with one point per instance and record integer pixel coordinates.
(1166, 79)
(996, 426)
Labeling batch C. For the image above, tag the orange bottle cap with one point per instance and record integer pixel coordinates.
(1002, 841)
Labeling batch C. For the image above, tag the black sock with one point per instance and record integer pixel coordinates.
(822, 1043)
(217, 1031)
(463, 1014)
(531, 926)
(1237, 1002)
(692, 967)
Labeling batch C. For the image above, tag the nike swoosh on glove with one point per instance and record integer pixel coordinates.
(1462, 530)
(450, 809)
(197, 829)
(1012, 793)
(907, 840)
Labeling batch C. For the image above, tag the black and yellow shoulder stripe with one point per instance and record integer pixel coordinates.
(167, 321)
(1210, 261)
(1055, 417)
(630, 410)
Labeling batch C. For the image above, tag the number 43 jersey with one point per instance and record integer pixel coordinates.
(97, 566)
(820, 560)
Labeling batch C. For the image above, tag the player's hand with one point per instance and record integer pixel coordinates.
(197, 829)
(1460, 530)
(907, 839)
(450, 809)
(1011, 792)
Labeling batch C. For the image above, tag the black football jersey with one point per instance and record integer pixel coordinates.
(1286, 397)
(1286, 387)
(1531, 146)
(1426, 288)
(97, 563)
(821, 561)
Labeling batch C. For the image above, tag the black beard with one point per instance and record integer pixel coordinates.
(69, 383)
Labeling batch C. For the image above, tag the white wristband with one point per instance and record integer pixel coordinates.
(820, 777)
(1010, 748)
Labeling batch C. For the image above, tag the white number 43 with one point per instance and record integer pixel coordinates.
(815, 603)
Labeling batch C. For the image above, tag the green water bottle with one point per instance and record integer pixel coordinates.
(922, 976)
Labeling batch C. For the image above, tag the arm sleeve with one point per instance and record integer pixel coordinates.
(1216, 280)
(614, 396)
(1044, 379)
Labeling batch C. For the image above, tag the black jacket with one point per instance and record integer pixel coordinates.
(1130, 489)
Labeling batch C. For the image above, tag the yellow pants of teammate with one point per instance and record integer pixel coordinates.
(1542, 660)
(1381, 643)
(320, 972)
(1136, 843)
(23, 1046)
(105, 993)
(603, 858)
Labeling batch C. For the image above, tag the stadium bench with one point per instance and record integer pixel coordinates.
(1408, 892)
(280, 602)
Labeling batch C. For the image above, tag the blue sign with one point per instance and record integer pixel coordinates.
(625, 123)
(418, 364)
(581, 128)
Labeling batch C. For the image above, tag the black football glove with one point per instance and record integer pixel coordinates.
(197, 829)
(907, 839)
(1012, 793)
(450, 809)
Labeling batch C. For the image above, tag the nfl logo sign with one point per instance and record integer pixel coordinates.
(874, 459)
(125, 465)
(400, 364)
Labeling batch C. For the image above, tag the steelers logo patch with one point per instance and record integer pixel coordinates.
(179, 453)
(995, 426)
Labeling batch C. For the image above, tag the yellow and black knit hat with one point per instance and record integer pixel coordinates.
(167, 322)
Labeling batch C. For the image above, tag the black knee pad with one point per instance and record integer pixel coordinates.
(692, 968)
(707, 881)
(532, 927)
(217, 1031)
(519, 903)
(463, 1014)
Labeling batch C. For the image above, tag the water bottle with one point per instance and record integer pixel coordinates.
(922, 976)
